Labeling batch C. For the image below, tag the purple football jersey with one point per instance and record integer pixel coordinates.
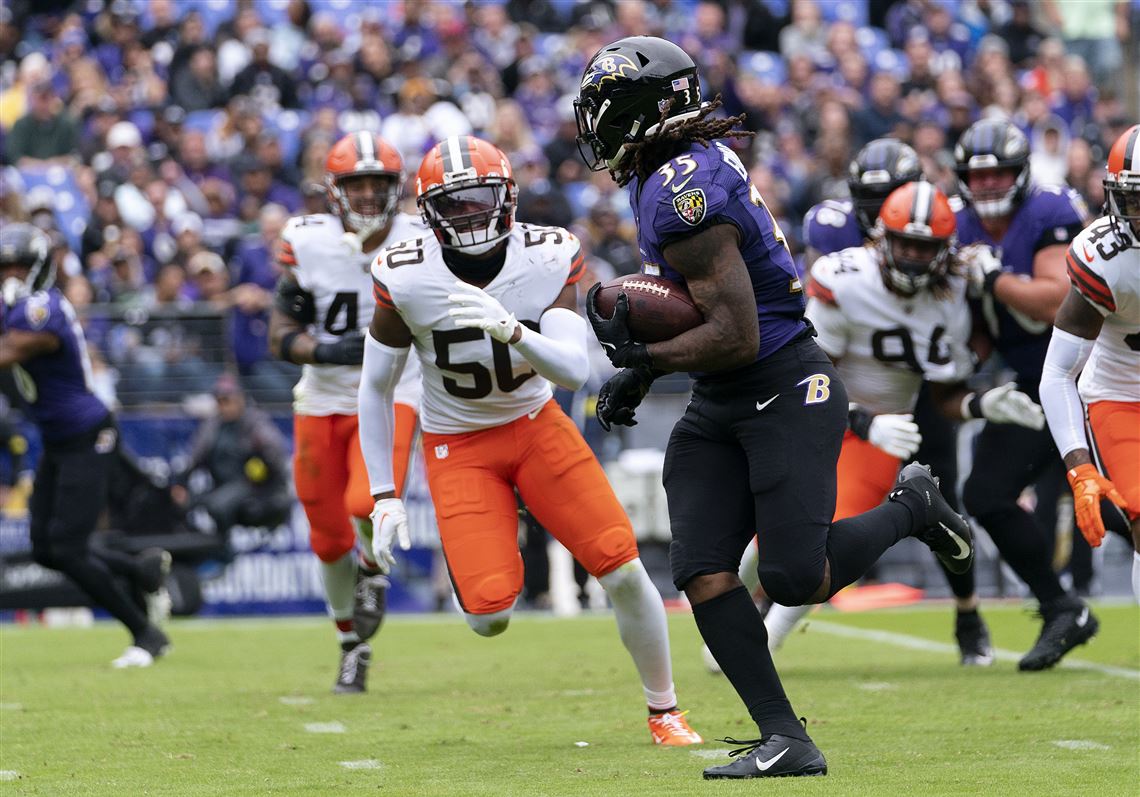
(59, 395)
(831, 226)
(704, 187)
(1049, 215)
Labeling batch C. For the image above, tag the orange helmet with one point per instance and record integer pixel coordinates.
(357, 155)
(466, 193)
(1122, 183)
(916, 231)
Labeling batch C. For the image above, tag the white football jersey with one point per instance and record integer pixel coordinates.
(338, 279)
(470, 380)
(885, 343)
(1107, 274)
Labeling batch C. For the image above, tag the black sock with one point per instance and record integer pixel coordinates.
(963, 585)
(732, 628)
(854, 544)
(653, 711)
(94, 578)
(1026, 549)
(349, 644)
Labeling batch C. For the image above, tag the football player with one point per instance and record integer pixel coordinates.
(1096, 334)
(891, 315)
(757, 447)
(490, 307)
(40, 338)
(878, 169)
(317, 321)
(1021, 232)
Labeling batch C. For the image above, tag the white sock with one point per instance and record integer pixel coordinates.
(640, 616)
(339, 578)
(749, 576)
(780, 622)
(1136, 575)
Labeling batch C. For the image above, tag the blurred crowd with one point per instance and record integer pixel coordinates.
(164, 143)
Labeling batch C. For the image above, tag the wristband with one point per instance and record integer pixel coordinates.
(859, 421)
(287, 346)
(971, 406)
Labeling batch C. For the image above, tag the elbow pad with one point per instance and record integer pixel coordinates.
(295, 302)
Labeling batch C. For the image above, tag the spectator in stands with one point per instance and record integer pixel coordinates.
(1021, 34)
(197, 86)
(210, 280)
(613, 241)
(1075, 102)
(244, 454)
(268, 85)
(256, 272)
(1093, 30)
(806, 36)
(881, 117)
(47, 133)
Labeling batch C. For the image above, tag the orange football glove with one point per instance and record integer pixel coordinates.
(1088, 488)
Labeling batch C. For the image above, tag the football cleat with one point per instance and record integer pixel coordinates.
(148, 646)
(671, 729)
(942, 529)
(353, 671)
(774, 756)
(1068, 623)
(973, 640)
(369, 604)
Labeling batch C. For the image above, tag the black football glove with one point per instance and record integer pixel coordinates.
(621, 395)
(347, 350)
(614, 335)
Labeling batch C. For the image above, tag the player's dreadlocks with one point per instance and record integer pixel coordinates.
(654, 150)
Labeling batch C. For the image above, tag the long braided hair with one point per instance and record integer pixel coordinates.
(652, 151)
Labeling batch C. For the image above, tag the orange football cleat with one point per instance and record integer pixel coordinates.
(672, 729)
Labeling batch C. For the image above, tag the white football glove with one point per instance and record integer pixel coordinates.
(389, 522)
(479, 309)
(897, 435)
(983, 266)
(1007, 404)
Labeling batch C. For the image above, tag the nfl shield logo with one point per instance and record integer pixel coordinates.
(690, 206)
(441, 451)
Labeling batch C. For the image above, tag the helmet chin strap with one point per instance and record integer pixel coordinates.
(13, 289)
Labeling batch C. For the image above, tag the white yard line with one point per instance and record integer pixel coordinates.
(928, 646)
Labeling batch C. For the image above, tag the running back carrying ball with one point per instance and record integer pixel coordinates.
(658, 308)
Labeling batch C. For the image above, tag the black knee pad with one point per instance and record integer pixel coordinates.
(789, 586)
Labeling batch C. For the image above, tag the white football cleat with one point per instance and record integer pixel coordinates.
(133, 657)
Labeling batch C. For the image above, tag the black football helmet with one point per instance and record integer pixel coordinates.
(624, 90)
(993, 144)
(880, 167)
(24, 264)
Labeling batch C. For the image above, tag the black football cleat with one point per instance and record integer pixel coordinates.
(942, 529)
(353, 673)
(973, 637)
(370, 602)
(1068, 623)
(774, 756)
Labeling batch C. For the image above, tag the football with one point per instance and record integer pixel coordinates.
(658, 308)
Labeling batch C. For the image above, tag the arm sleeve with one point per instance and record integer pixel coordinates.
(559, 352)
(1059, 397)
(381, 372)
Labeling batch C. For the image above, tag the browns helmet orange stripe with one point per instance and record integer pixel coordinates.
(1122, 184)
(918, 213)
(357, 155)
(465, 190)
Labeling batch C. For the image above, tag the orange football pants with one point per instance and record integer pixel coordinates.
(473, 478)
(864, 476)
(331, 480)
(1116, 427)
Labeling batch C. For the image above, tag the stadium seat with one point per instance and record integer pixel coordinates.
(853, 11)
(767, 67)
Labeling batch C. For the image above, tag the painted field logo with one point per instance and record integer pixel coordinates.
(690, 206)
(817, 388)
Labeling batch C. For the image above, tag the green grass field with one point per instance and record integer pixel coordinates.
(243, 707)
